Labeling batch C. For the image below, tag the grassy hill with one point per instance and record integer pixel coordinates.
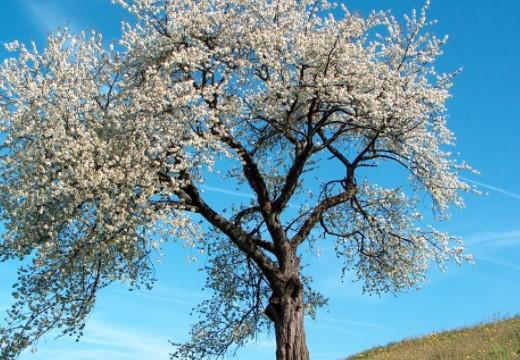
(498, 340)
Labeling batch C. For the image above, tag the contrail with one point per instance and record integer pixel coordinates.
(237, 193)
(225, 191)
(491, 187)
(250, 196)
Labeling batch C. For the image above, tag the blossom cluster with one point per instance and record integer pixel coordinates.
(105, 149)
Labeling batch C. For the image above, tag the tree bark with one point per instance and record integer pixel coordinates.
(286, 310)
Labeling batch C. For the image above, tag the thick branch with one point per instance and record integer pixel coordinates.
(257, 183)
(251, 171)
(319, 210)
(291, 180)
(302, 156)
(335, 152)
(234, 232)
(244, 212)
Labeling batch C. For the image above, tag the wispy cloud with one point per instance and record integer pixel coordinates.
(494, 248)
(46, 16)
(494, 239)
(335, 329)
(106, 341)
(352, 323)
(500, 262)
(188, 301)
(349, 327)
(86, 354)
(131, 341)
(493, 188)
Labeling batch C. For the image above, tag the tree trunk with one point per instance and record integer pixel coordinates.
(286, 310)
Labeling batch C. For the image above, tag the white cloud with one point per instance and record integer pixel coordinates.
(494, 239)
(85, 354)
(499, 262)
(46, 16)
(107, 341)
(131, 341)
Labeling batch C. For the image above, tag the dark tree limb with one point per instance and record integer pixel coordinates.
(234, 232)
(319, 210)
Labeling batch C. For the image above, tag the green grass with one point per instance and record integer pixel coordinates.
(499, 340)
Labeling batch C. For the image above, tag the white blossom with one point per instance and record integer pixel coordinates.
(105, 151)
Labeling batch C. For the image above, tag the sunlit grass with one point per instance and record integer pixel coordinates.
(499, 340)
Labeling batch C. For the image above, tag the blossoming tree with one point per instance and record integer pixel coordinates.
(105, 152)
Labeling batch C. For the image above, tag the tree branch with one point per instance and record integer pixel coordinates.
(234, 232)
(251, 171)
(292, 177)
(320, 209)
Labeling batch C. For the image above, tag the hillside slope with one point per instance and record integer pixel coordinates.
(494, 341)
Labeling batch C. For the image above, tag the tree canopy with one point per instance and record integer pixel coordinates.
(106, 150)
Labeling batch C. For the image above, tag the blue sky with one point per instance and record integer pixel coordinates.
(484, 114)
